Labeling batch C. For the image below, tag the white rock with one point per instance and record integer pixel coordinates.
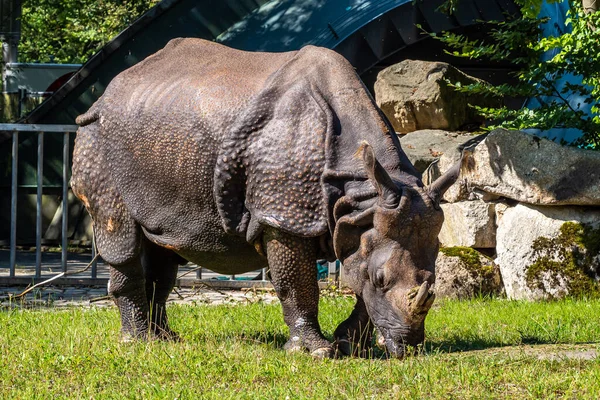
(518, 229)
(525, 168)
(465, 276)
(468, 224)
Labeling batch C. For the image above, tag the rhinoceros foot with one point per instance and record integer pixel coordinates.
(156, 333)
(354, 336)
(166, 335)
(345, 347)
(318, 347)
(323, 352)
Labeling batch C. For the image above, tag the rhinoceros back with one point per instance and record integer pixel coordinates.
(161, 125)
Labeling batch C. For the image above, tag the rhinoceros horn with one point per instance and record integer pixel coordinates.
(420, 298)
(440, 185)
(437, 189)
(388, 191)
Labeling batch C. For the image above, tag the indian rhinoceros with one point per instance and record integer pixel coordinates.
(232, 160)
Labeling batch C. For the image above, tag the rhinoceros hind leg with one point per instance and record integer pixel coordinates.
(160, 272)
(292, 264)
(127, 289)
(117, 234)
(354, 336)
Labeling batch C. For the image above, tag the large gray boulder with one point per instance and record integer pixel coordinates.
(425, 146)
(463, 273)
(547, 252)
(525, 168)
(414, 95)
(468, 224)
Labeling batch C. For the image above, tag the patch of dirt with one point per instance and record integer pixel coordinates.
(551, 352)
(60, 297)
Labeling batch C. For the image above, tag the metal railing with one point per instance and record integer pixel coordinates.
(40, 131)
(257, 278)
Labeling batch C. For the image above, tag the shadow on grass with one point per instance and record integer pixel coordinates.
(274, 340)
(271, 339)
(457, 344)
(462, 345)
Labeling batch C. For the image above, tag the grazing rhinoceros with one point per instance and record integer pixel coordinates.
(233, 160)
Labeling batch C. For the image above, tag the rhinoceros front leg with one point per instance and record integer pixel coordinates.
(354, 336)
(292, 265)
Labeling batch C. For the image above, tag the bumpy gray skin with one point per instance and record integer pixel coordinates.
(218, 156)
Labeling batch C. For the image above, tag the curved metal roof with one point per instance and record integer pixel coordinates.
(364, 31)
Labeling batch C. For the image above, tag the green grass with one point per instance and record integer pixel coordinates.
(476, 349)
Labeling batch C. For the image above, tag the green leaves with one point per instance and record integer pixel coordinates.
(70, 31)
(541, 63)
(529, 8)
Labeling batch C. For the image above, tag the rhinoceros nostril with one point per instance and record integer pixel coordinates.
(380, 340)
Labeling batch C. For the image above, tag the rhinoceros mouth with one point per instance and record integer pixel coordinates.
(394, 347)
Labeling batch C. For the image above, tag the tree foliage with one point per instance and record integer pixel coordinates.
(70, 31)
(529, 8)
(541, 62)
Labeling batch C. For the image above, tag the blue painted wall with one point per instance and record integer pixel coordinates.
(556, 26)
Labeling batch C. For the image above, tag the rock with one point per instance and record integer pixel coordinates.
(525, 168)
(425, 146)
(468, 224)
(414, 95)
(463, 273)
(547, 252)
(499, 209)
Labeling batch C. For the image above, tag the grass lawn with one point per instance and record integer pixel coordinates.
(476, 349)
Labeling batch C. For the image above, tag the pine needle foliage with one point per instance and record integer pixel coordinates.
(540, 64)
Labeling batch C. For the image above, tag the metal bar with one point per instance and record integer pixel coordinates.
(38, 94)
(38, 128)
(95, 263)
(333, 271)
(190, 283)
(71, 281)
(38, 214)
(263, 274)
(199, 273)
(13, 203)
(65, 201)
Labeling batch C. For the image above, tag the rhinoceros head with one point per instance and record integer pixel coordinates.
(388, 245)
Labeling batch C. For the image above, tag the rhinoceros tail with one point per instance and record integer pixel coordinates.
(89, 117)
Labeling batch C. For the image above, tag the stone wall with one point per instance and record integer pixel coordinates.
(524, 206)
(533, 206)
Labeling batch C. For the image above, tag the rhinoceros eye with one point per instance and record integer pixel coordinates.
(379, 278)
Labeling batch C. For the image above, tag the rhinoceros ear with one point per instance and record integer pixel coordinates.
(386, 188)
(348, 231)
(437, 189)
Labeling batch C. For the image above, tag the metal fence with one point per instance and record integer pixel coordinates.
(40, 130)
(190, 275)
